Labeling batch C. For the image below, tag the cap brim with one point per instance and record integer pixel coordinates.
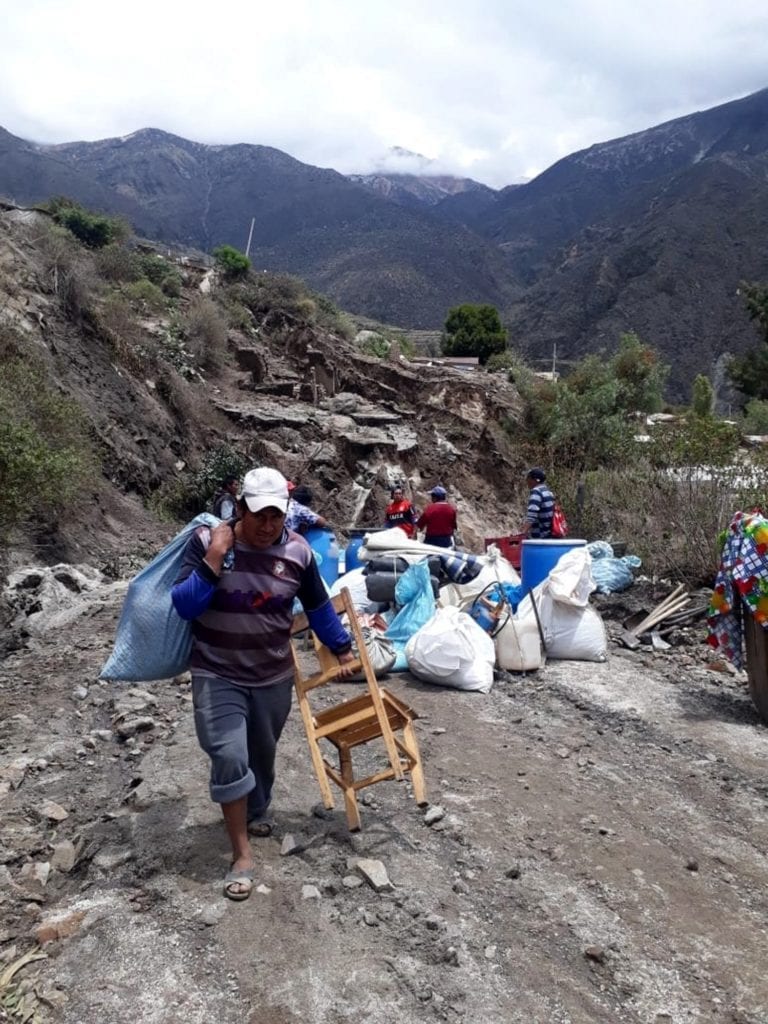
(257, 502)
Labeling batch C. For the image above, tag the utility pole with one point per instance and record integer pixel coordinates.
(554, 361)
(250, 236)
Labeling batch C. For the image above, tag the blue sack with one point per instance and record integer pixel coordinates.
(152, 641)
(614, 574)
(414, 592)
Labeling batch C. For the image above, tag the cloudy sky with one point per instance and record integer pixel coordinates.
(493, 89)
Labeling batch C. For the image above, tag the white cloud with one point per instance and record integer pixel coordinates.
(491, 88)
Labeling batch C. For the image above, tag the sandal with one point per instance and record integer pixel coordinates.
(242, 877)
(261, 828)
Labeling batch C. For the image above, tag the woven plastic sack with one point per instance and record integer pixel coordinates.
(152, 641)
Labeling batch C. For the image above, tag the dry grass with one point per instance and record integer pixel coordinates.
(669, 518)
(205, 332)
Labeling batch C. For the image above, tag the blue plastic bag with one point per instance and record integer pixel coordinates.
(414, 592)
(152, 641)
(612, 575)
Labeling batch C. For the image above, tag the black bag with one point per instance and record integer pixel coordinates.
(385, 563)
(380, 586)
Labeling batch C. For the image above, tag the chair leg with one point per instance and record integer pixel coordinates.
(317, 758)
(350, 797)
(417, 772)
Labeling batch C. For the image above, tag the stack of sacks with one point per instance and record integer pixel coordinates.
(571, 626)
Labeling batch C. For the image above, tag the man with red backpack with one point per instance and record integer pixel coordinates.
(541, 506)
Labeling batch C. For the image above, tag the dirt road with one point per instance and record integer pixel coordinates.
(601, 858)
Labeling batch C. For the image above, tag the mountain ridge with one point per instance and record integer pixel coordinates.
(649, 232)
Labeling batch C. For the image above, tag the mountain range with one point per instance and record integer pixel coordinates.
(652, 232)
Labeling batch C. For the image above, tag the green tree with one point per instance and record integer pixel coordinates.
(749, 373)
(92, 229)
(588, 419)
(640, 375)
(473, 330)
(703, 397)
(231, 262)
(756, 417)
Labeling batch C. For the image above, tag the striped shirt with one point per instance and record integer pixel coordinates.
(241, 620)
(541, 508)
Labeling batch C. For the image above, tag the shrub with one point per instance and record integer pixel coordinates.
(756, 417)
(205, 331)
(117, 263)
(330, 318)
(231, 262)
(238, 316)
(375, 345)
(70, 271)
(275, 294)
(92, 229)
(46, 456)
(116, 323)
(160, 272)
(182, 498)
(703, 397)
(146, 296)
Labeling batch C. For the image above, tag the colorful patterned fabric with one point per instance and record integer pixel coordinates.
(741, 584)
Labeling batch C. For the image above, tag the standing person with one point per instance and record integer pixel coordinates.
(541, 505)
(300, 516)
(438, 520)
(241, 663)
(225, 499)
(400, 512)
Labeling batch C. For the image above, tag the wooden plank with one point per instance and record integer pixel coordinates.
(756, 650)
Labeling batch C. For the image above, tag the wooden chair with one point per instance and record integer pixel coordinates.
(373, 715)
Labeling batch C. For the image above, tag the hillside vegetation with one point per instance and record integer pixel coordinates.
(133, 380)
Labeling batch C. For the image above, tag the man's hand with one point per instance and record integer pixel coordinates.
(348, 664)
(222, 539)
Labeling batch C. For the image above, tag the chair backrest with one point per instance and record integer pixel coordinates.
(329, 663)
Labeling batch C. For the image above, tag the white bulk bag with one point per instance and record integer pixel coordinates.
(452, 650)
(570, 631)
(518, 643)
(570, 582)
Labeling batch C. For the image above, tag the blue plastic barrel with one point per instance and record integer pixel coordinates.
(326, 552)
(541, 556)
(356, 535)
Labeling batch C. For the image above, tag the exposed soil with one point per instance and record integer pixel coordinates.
(601, 858)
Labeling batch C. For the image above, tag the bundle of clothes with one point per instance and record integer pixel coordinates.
(741, 584)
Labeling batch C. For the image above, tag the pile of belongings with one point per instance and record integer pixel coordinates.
(741, 584)
(454, 617)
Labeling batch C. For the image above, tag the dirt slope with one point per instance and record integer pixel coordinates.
(601, 857)
(287, 393)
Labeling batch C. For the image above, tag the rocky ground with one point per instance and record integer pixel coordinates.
(594, 851)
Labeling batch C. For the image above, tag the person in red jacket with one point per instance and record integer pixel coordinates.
(400, 512)
(438, 520)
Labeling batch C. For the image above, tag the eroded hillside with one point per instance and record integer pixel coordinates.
(279, 388)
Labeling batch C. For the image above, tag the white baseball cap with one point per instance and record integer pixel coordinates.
(265, 488)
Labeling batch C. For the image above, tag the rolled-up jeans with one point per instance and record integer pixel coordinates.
(238, 727)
